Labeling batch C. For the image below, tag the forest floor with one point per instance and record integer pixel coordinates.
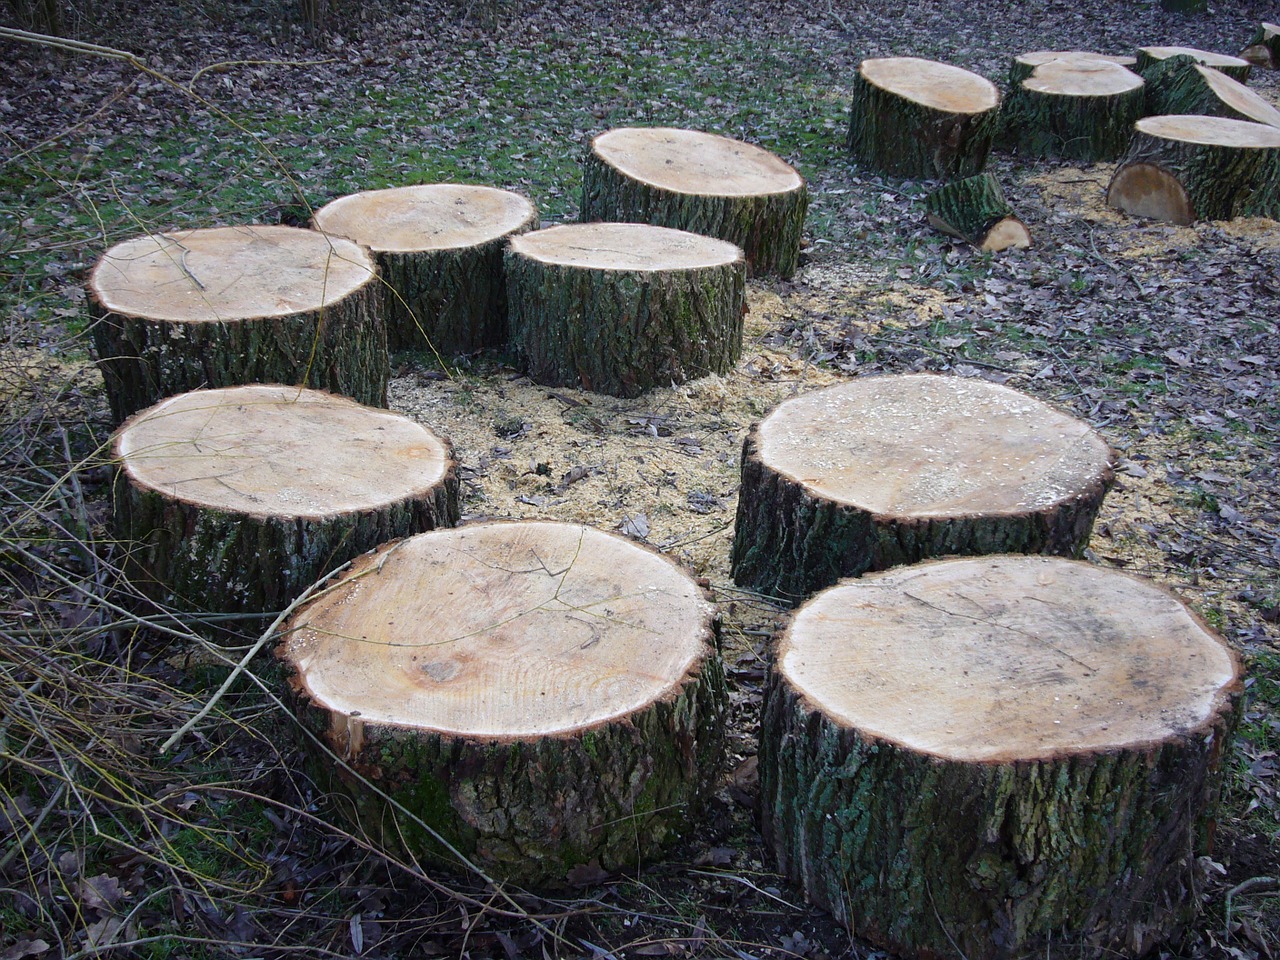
(1166, 338)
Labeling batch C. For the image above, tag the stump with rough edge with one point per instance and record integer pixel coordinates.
(1234, 67)
(975, 210)
(918, 118)
(540, 695)
(1022, 66)
(702, 183)
(1264, 49)
(231, 305)
(1185, 168)
(619, 308)
(888, 470)
(1179, 85)
(235, 500)
(440, 250)
(1073, 108)
(993, 758)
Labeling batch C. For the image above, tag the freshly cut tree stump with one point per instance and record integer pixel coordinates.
(1186, 168)
(1023, 65)
(888, 470)
(235, 500)
(702, 183)
(1179, 85)
(1074, 108)
(619, 308)
(232, 305)
(541, 695)
(1233, 67)
(440, 249)
(1264, 49)
(917, 118)
(997, 757)
(975, 210)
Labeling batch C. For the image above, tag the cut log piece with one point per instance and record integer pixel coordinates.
(701, 183)
(1179, 85)
(540, 695)
(1073, 108)
(619, 308)
(440, 250)
(997, 757)
(894, 469)
(235, 500)
(917, 118)
(1186, 168)
(1022, 66)
(1264, 49)
(974, 209)
(232, 305)
(1234, 67)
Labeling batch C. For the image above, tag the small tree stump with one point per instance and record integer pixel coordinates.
(1233, 67)
(1074, 108)
(974, 209)
(619, 308)
(702, 183)
(894, 469)
(440, 249)
(996, 757)
(1179, 85)
(232, 305)
(1186, 168)
(235, 500)
(541, 695)
(1264, 49)
(1023, 65)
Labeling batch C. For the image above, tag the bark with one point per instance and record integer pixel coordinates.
(975, 210)
(1040, 118)
(1179, 85)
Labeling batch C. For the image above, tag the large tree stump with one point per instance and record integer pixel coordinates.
(702, 183)
(1264, 49)
(540, 695)
(1074, 108)
(917, 118)
(996, 758)
(232, 305)
(1023, 65)
(619, 308)
(1234, 67)
(974, 209)
(235, 500)
(440, 250)
(888, 470)
(1186, 168)
(1179, 85)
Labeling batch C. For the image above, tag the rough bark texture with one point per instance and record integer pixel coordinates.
(1234, 67)
(622, 332)
(975, 210)
(767, 227)
(1044, 122)
(1264, 49)
(1179, 85)
(1061, 857)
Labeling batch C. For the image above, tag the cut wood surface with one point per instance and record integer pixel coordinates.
(993, 758)
(1184, 168)
(440, 249)
(1264, 49)
(235, 500)
(231, 305)
(1234, 67)
(1022, 65)
(893, 469)
(1077, 108)
(619, 308)
(975, 210)
(918, 118)
(702, 183)
(542, 694)
(1179, 85)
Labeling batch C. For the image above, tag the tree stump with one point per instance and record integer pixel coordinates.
(994, 758)
(974, 209)
(619, 308)
(1264, 49)
(235, 500)
(1023, 65)
(232, 305)
(540, 695)
(1186, 168)
(1179, 85)
(1233, 67)
(888, 470)
(440, 250)
(1073, 108)
(702, 183)
(917, 118)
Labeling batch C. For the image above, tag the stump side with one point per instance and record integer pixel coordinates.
(1179, 85)
(1077, 108)
(1234, 67)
